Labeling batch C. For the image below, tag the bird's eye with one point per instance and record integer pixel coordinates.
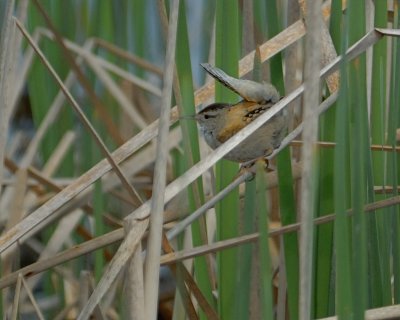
(209, 116)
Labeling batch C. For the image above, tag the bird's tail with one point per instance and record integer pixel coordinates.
(221, 76)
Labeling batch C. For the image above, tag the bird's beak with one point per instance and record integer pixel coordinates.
(188, 117)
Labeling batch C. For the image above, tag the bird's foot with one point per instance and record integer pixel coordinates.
(249, 167)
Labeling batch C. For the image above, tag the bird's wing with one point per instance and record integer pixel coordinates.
(235, 119)
(254, 110)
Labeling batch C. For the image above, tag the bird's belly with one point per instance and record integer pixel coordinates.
(260, 144)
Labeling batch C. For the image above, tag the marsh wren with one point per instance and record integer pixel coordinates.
(220, 121)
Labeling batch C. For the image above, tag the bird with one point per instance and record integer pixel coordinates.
(220, 121)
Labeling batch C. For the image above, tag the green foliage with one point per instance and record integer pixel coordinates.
(227, 48)
(356, 259)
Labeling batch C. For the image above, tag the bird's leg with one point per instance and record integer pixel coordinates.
(249, 166)
(250, 163)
